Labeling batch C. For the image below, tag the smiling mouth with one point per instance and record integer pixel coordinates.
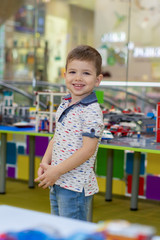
(78, 85)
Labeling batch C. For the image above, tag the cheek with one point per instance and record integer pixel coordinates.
(67, 79)
(68, 82)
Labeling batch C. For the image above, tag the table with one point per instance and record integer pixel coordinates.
(144, 144)
(14, 219)
(18, 219)
(4, 130)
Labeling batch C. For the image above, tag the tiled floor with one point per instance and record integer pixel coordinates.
(18, 194)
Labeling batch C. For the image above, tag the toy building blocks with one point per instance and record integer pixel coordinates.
(123, 230)
(45, 120)
(138, 135)
(10, 111)
(144, 124)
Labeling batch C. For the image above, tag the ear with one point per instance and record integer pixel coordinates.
(98, 80)
(64, 74)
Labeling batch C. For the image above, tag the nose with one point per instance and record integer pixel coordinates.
(78, 77)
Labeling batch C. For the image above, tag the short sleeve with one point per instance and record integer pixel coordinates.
(92, 121)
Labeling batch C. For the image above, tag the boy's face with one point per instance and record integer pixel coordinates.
(81, 78)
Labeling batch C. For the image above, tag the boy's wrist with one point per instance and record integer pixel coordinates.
(59, 170)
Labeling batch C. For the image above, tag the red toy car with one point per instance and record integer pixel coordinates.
(121, 131)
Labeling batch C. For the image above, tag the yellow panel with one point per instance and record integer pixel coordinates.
(153, 166)
(37, 162)
(119, 187)
(9, 137)
(23, 167)
(101, 183)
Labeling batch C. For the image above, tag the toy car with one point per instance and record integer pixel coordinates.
(107, 135)
(121, 131)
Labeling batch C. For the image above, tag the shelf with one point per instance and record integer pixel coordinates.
(45, 112)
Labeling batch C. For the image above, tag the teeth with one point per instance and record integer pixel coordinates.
(78, 85)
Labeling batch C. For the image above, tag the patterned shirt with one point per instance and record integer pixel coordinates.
(83, 118)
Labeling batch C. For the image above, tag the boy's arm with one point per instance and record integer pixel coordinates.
(47, 157)
(80, 156)
(48, 153)
(52, 173)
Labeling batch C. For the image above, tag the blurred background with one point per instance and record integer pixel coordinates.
(36, 35)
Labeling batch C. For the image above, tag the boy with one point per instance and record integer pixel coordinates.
(72, 150)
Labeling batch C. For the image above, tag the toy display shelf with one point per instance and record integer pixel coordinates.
(145, 145)
(135, 149)
(31, 133)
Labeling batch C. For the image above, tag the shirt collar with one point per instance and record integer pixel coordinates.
(85, 101)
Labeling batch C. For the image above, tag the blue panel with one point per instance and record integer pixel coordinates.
(129, 163)
(21, 150)
(142, 166)
(11, 153)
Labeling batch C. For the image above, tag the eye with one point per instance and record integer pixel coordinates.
(86, 73)
(72, 72)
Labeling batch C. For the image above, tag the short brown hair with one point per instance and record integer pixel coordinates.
(86, 53)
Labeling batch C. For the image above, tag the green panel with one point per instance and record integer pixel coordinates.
(118, 164)
(101, 163)
(100, 96)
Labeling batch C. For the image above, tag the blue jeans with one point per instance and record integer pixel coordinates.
(69, 203)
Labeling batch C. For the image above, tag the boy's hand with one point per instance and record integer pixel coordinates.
(48, 177)
(40, 171)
